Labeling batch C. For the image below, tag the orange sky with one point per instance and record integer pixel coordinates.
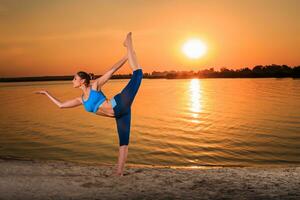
(61, 37)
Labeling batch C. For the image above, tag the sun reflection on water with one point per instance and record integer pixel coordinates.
(195, 97)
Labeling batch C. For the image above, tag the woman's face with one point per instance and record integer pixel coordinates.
(77, 81)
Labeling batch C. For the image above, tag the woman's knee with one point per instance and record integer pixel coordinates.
(123, 144)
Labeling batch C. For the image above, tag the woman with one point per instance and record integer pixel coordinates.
(119, 107)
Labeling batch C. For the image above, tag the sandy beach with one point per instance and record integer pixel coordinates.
(36, 179)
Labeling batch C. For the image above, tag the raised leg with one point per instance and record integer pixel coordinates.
(128, 94)
(132, 59)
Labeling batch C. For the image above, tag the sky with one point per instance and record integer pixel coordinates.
(61, 37)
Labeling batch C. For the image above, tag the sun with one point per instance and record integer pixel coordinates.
(194, 48)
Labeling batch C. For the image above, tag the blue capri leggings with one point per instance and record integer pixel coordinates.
(122, 106)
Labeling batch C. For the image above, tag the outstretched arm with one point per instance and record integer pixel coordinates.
(66, 104)
(99, 82)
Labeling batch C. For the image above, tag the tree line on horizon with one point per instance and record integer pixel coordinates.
(259, 71)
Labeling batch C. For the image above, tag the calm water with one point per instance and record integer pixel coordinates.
(174, 122)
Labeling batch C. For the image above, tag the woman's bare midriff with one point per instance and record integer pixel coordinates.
(106, 109)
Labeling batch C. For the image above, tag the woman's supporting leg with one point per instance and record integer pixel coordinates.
(123, 127)
(123, 151)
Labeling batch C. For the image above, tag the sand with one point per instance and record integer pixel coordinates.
(36, 179)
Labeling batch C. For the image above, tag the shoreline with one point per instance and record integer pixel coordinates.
(206, 166)
(55, 179)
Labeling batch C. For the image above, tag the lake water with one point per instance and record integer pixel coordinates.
(186, 122)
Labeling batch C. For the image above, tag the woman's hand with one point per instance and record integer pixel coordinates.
(41, 92)
(52, 98)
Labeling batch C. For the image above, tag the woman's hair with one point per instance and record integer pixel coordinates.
(86, 76)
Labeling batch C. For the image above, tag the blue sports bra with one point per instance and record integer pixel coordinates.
(96, 98)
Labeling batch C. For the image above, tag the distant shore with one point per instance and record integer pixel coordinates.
(64, 78)
(36, 179)
(259, 71)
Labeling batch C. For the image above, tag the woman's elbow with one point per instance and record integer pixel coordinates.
(70, 104)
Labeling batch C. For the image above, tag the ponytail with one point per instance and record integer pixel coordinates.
(91, 76)
(86, 76)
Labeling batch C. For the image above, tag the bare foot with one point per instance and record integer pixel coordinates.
(127, 39)
(116, 174)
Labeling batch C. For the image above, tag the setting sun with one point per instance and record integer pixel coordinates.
(194, 48)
